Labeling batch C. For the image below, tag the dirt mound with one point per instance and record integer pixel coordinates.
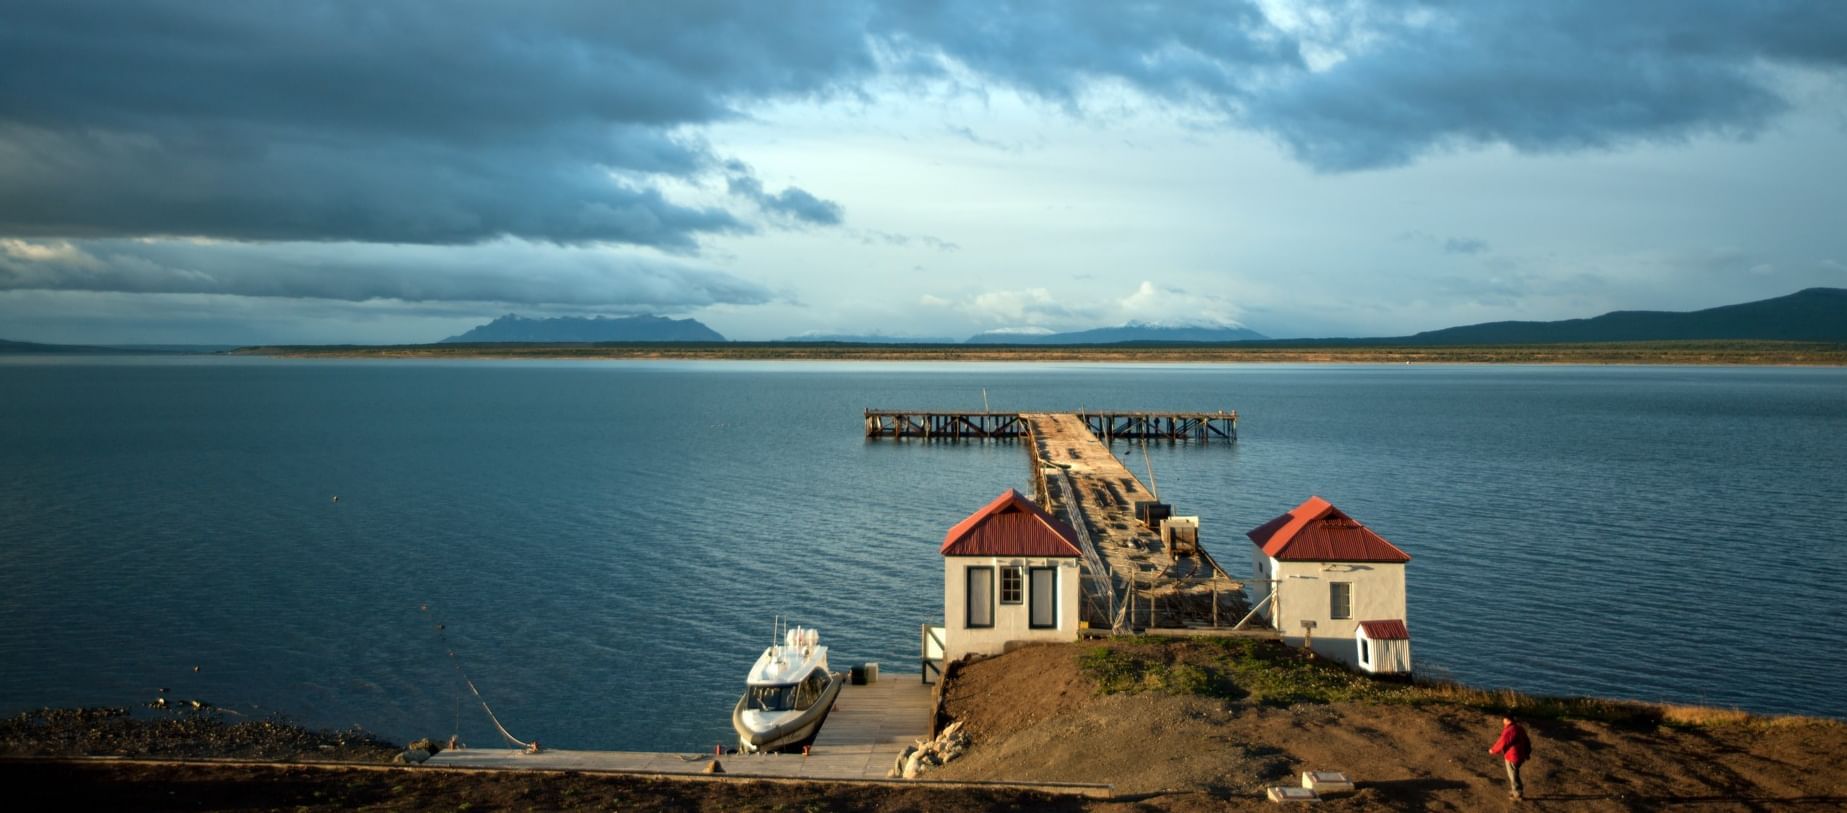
(1040, 717)
(989, 694)
(1138, 743)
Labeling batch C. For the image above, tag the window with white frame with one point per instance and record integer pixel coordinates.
(1340, 599)
(1012, 591)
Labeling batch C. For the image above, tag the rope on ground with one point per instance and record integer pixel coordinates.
(457, 663)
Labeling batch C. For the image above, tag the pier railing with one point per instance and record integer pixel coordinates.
(1197, 426)
(1106, 425)
(1100, 589)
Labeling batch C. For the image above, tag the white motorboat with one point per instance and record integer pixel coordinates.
(787, 695)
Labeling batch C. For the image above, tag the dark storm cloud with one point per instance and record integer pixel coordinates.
(1199, 52)
(503, 271)
(457, 122)
(1404, 79)
(1548, 77)
(414, 122)
(793, 203)
(108, 184)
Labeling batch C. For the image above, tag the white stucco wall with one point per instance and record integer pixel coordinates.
(1303, 594)
(1012, 622)
(1258, 588)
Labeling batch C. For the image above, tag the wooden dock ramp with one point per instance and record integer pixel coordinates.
(869, 726)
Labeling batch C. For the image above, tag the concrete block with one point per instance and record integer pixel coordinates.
(1326, 782)
(1284, 793)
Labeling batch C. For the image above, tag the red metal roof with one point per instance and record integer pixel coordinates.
(1011, 525)
(1316, 531)
(1390, 630)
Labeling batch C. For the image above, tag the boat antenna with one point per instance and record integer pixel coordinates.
(777, 627)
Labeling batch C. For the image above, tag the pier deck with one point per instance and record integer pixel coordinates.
(863, 735)
(1079, 479)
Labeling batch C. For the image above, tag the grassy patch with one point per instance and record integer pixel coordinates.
(1128, 670)
(1269, 673)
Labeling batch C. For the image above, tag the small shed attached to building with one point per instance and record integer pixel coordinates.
(1319, 571)
(1385, 647)
(1010, 574)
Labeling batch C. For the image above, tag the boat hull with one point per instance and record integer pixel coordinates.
(790, 734)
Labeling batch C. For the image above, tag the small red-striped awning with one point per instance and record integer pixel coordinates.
(1011, 525)
(1316, 531)
(1389, 630)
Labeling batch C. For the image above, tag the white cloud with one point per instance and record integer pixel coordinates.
(1039, 310)
(1019, 331)
(1175, 307)
(58, 251)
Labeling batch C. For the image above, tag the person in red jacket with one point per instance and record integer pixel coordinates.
(1514, 748)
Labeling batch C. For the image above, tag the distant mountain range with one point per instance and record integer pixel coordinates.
(1810, 315)
(1129, 333)
(515, 328)
(36, 348)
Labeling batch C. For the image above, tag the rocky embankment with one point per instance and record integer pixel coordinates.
(924, 755)
(118, 732)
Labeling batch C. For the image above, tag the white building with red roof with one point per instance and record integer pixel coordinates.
(1327, 580)
(1010, 574)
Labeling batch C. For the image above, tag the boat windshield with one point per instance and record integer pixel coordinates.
(789, 696)
(772, 698)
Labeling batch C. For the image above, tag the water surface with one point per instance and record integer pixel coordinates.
(606, 543)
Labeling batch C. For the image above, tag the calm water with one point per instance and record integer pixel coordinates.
(607, 543)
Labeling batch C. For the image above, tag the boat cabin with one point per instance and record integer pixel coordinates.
(1010, 574)
(788, 696)
(1319, 573)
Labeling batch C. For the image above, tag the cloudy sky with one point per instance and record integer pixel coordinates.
(314, 171)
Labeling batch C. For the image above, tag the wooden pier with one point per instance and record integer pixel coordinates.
(1132, 579)
(1104, 425)
(869, 726)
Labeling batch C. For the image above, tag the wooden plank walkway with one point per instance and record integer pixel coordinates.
(1078, 478)
(861, 739)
